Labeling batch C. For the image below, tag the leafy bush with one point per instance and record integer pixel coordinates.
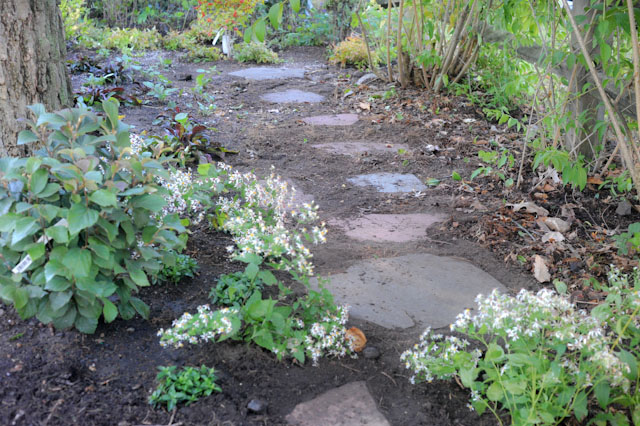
(187, 385)
(538, 356)
(255, 52)
(199, 53)
(77, 25)
(315, 30)
(352, 51)
(185, 266)
(230, 15)
(175, 40)
(80, 229)
(125, 39)
(234, 289)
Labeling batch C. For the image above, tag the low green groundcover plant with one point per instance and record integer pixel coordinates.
(186, 385)
(81, 223)
(541, 358)
(185, 266)
(255, 52)
(269, 233)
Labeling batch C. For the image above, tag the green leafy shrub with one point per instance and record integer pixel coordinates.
(185, 266)
(199, 53)
(234, 289)
(175, 40)
(187, 385)
(255, 52)
(125, 39)
(315, 30)
(77, 25)
(352, 51)
(80, 224)
(538, 356)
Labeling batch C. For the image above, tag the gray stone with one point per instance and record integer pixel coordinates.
(257, 406)
(389, 182)
(332, 120)
(269, 73)
(366, 78)
(371, 352)
(397, 228)
(348, 405)
(624, 208)
(292, 96)
(416, 289)
(356, 148)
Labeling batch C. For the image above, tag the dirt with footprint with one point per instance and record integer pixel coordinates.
(61, 377)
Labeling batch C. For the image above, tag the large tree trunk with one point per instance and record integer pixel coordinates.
(32, 66)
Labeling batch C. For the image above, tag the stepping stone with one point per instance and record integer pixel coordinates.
(395, 228)
(413, 290)
(292, 96)
(269, 73)
(332, 120)
(389, 182)
(348, 405)
(355, 148)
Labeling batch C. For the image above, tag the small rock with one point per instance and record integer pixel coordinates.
(131, 329)
(1, 312)
(136, 387)
(257, 406)
(366, 78)
(624, 208)
(371, 352)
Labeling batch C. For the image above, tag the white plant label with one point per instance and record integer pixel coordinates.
(26, 262)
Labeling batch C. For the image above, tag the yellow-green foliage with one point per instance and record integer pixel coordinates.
(200, 53)
(255, 52)
(352, 51)
(175, 40)
(203, 31)
(77, 26)
(132, 38)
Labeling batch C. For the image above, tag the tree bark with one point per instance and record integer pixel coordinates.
(32, 65)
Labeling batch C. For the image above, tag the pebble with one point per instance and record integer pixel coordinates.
(257, 406)
(1, 312)
(624, 208)
(371, 352)
(131, 329)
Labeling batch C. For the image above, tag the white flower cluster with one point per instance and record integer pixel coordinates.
(137, 144)
(180, 184)
(203, 326)
(257, 221)
(543, 319)
(329, 336)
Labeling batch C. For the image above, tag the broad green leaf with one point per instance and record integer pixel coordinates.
(267, 277)
(151, 202)
(67, 319)
(275, 15)
(36, 251)
(78, 261)
(140, 307)
(260, 30)
(580, 406)
(468, 376)
(251, 271)
(99, 249)
(57, 284)
(54, 268)
(109, 310)
(494, 392)
(494, 353)
(59, 299)
(8, 221)
(104, 198)
(20, 297)
(39, 181)
(27, 136)
(59, 234)
(23, 228)
(139, 277)
(602, 391)
(86, 325)
(295, 5)
(81, 217)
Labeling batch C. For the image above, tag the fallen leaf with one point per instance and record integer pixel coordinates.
(357, 337)
(554, 237)
(557, 224)
(529, 207)
(477, 205)
(365, 106)
(540, 269)
(595, 180)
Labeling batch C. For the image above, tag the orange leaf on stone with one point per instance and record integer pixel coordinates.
(357, 337)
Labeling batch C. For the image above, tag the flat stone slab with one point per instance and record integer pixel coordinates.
(348, 405)
(269, 73)
(292, 96)
(416, 289)
(389, 182)
(395, 228)
(332, 120)
(356, 148)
